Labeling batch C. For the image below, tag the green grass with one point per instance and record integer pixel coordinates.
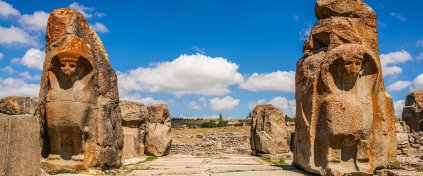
(274, 162)
(149, 158)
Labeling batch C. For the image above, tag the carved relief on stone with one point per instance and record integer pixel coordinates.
(79, 100)
(349, 75)
(70, 88)
(345, 121)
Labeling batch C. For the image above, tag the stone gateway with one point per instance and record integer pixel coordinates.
(345, 119)
(79, 101)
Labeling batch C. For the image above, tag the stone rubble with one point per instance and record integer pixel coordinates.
(215, 143)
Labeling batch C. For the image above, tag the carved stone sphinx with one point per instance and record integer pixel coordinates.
(70, 90)
(345, 120)
(79, 102)
(349, 75)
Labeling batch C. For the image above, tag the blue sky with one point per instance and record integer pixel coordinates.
(204, 57)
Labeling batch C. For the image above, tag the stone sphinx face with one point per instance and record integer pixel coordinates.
(68, 68)
(353, 67)
(345, 72)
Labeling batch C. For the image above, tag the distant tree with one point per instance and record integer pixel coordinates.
(289, 119)
(221, 123)
(190, 126)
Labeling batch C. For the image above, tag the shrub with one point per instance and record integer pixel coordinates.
(209, 124)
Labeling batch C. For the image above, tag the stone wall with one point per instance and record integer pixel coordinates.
(19, 145)
(409, 149)
(211, 144)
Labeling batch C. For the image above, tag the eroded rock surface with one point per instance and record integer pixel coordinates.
(16, 105)
(79, 101)
(134, 117)
(19, 145)
(268, 130)
(345, 120)
(412, 113)
(158, 137)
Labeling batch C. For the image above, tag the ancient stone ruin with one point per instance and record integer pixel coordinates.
(79, 101)
(146, 129)
(19, 137)
(158, 137)
(345, 119)
(268, 130)
(412, 113)
(14, 105)
(134, 117)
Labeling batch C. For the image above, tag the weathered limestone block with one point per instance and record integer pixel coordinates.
(412, 113)
(345, 120)
(19, 145)
(158, 138)
(134, 117)
(15, 105)
(268, 130)
(79, 101)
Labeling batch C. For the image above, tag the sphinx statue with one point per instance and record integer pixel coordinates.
(79, 102)
(345, 121)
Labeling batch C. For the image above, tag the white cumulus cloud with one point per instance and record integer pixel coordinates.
(14, 35)
(399, 85)
(391, 60)
(198, 105)
(86, 11)
(288, 106)
(283, 81)
(7, 10)
(36, 21)
(1, 56)
(8, 69)
(418, 82)
(187, 74)
(27, 76)
(146, 100)
(223, 104)
(17, 87)
(399, 106)
(420, 56)
(101, 28)
(33, 58)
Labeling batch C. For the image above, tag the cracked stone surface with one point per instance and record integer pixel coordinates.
(235, 165)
